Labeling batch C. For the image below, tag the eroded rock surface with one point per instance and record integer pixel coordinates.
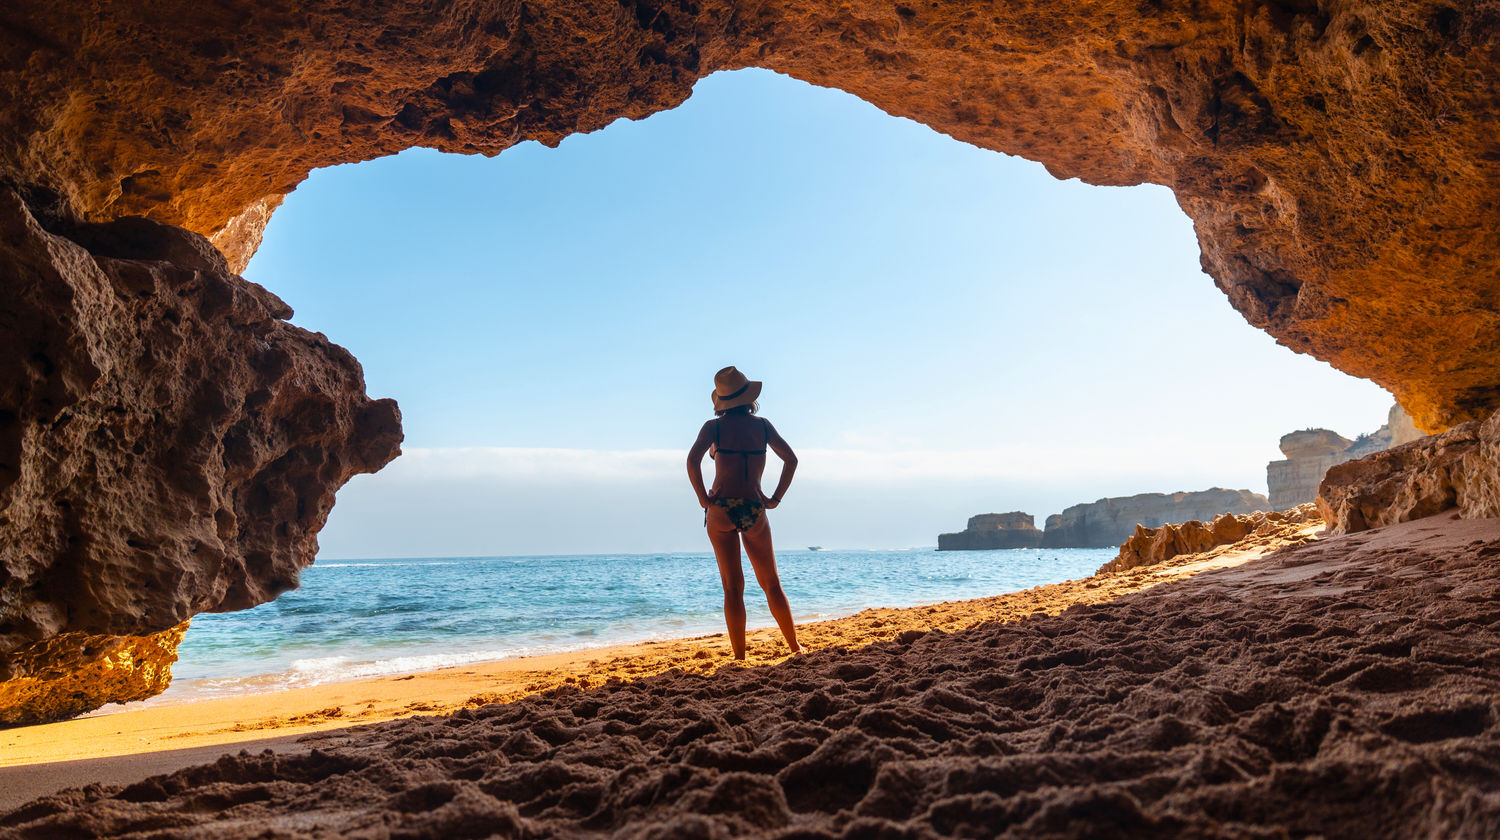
(169, 445)
(1457, 469)
(1150, 546)
(74, 673)
(1339, 159)
(1109, 521)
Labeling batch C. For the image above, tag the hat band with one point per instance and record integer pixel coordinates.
(742, 390)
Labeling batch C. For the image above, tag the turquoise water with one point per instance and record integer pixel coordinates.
(361, 618)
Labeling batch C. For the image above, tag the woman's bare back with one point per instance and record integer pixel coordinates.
(739, 453)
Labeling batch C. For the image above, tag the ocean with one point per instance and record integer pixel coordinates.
(363, 618)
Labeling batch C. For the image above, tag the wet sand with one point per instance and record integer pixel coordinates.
(1346, 687)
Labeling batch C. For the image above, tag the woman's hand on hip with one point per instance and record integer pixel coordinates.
(771, 504)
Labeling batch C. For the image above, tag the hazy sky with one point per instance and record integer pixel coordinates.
(942, 331)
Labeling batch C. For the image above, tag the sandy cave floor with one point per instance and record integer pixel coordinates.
(1346, 688)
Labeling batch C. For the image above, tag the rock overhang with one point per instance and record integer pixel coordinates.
(1338, 158)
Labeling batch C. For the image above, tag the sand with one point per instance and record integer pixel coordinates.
(187, 729)
(42, 759)
(1344, 687)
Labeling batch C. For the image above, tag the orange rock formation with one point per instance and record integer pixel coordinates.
(1152, 546)
(1338, 158)
(78, 672)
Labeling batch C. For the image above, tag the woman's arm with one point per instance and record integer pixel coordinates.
(788, 464)
(695, 463)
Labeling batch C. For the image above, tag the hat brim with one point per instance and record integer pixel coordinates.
(752, 393)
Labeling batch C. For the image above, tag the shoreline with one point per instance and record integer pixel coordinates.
(133, 743)
(382, 630)
(624, 645)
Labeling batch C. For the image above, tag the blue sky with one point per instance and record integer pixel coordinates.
(951, 330)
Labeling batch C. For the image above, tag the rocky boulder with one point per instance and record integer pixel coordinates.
(169, 445)
(1458, 469)
(1149, 546)
(74, 673)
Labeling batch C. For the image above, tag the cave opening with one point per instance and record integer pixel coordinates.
(946, 329)
(173, 446)
(900, 290)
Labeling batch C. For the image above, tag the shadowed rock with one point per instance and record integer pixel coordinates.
(170, 444)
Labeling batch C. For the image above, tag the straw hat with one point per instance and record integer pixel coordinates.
(732, 388)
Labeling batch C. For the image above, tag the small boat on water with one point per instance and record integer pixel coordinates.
(815, 548)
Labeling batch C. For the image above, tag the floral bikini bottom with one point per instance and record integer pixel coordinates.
(743, 513)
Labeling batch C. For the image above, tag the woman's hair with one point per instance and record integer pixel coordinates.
(752, 408)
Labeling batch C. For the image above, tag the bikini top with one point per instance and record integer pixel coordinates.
(765, 427)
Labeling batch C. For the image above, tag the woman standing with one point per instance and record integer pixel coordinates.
(735, 507)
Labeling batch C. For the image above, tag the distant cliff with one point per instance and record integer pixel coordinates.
(1102, 524)
(1310, 452)
(994, 530)
(1107, 522)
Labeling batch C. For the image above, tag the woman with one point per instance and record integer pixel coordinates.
(735, 507)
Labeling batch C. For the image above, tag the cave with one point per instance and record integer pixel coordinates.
(170, 445)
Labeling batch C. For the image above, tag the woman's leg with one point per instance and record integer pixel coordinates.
(726, 543)
(763, 561)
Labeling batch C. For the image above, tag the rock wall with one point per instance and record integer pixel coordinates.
(1459, 469)
(994, 530)
(169, 445)
(1310, 452)
(1149, 546)
(1107, 522)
